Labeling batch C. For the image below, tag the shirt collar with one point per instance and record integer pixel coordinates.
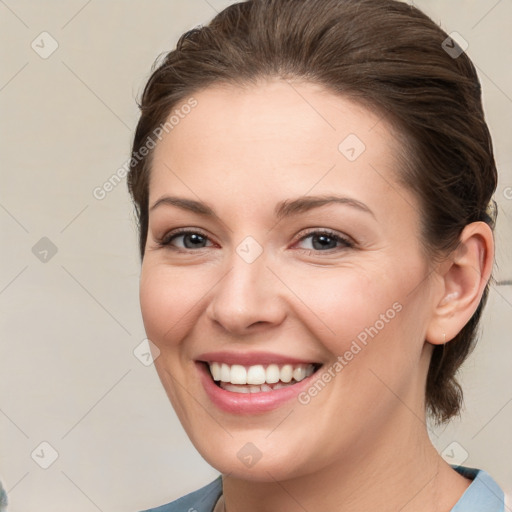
(483, 494)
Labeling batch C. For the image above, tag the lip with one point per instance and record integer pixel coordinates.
(250, 358)
(249, 403)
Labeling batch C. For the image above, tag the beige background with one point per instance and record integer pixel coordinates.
(70, 324)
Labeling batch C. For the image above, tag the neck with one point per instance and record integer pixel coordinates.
(399, 470)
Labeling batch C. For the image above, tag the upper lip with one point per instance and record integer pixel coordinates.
(250, 358)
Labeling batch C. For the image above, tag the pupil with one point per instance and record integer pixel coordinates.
(324, 241)
(195, 240)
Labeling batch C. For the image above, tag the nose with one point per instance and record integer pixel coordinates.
(248, 298)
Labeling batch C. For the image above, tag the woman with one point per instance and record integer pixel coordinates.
(313, 181)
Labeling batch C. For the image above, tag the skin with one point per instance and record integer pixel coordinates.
(362, 441)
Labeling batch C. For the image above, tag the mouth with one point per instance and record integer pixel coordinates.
(254, 382)
(259, 378)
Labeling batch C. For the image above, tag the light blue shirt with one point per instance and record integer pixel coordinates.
(483, 495)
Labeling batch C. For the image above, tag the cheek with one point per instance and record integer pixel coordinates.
(348, 305)
(168, 298)
(367, 321)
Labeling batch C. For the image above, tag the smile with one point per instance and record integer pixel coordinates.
(258, 378)
(253, 383)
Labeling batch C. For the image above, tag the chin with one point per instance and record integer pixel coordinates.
(256, 462)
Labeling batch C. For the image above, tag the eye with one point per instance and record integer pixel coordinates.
(315, 241)
(184, 239)
(324, 240)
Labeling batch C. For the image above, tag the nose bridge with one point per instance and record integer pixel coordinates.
(248, 293)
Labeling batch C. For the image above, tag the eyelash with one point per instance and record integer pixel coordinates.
(169, 237)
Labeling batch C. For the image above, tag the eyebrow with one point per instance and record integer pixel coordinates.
(283, 209)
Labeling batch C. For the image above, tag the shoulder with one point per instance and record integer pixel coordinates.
(202, 500)
(483, 494)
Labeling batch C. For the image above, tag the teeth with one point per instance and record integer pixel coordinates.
(225, 373)
(215, 370)
(272, 374)
(238, 374)
(258, 377)
(299, 373)
(256, 374)
(287, 373)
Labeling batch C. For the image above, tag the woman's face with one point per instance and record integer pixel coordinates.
(302, 254)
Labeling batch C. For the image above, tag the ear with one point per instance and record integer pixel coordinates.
(462, 280)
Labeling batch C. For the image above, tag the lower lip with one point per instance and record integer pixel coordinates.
(249, 403)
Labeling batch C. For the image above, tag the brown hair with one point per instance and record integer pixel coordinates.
(384, 54)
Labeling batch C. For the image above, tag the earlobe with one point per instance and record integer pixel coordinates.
(463, 278)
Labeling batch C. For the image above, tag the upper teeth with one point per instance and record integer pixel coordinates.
(259, 374)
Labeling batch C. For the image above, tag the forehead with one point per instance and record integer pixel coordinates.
(277, 138)
(274, 113)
